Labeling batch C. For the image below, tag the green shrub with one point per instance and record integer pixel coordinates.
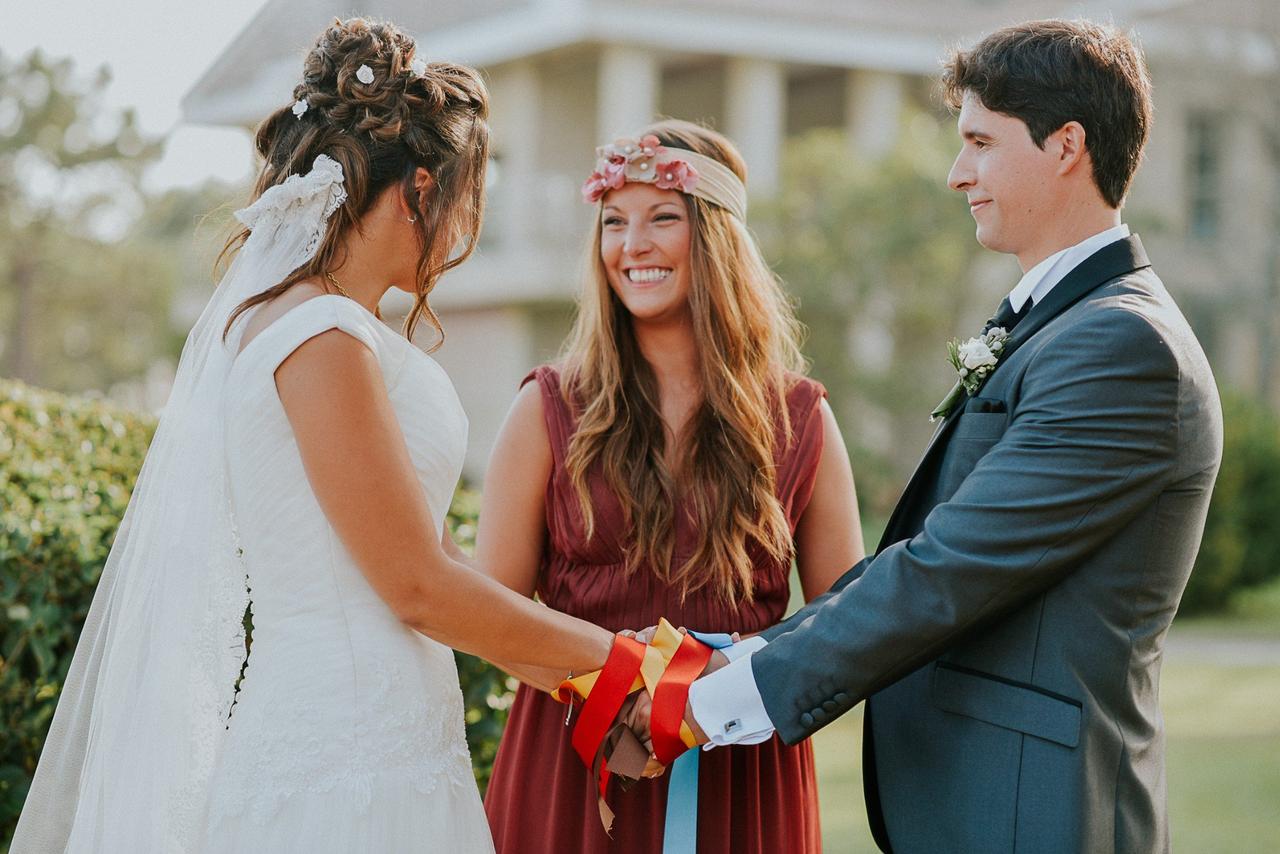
(1241, 547)
(67, 467)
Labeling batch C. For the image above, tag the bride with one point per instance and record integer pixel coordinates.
(304, 463)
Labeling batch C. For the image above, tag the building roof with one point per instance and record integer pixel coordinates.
(256, 72)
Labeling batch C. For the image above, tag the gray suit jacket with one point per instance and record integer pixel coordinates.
(1007, 634)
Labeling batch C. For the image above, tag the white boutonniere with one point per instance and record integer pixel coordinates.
(974, 360)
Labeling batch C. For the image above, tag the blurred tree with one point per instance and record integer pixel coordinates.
(1267, 116)
(69, 186)
(1241, 545)
(882, 259)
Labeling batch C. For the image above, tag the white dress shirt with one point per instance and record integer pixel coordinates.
(727, 704)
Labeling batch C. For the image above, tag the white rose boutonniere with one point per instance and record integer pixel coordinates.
(974, 360)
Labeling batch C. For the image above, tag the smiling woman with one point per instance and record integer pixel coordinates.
(670, 466)
(644, 247)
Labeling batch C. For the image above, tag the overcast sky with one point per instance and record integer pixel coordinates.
(156, 49)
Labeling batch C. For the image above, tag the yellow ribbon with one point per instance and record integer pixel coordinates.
(657, 656)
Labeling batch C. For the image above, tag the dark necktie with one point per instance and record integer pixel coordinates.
(1006, 318)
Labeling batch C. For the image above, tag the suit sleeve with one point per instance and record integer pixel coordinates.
(1092, 441)
(779, 629)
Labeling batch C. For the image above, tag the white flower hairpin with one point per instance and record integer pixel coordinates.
(300, 106)
(418, 67)
(364, 74)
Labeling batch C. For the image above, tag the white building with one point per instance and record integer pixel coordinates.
(567, 74)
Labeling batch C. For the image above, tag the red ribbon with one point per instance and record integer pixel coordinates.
(606, 698)
(670, 696)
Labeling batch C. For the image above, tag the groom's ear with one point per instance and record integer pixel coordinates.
(1067, 143)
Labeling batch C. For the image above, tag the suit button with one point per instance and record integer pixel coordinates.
(843, 699)
(806, 720)
(820, 716)
(830, 707)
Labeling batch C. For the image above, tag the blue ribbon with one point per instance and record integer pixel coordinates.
(680, 831)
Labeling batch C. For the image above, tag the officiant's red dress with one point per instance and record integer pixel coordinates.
(758, 799)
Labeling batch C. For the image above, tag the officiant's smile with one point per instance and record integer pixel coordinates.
(645, 243)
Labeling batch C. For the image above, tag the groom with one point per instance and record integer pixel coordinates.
(1008, 633)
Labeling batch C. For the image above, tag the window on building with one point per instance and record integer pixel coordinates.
(1204, 167)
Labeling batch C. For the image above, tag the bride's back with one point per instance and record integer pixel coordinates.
(340, 700)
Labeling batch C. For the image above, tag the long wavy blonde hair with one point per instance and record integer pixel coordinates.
(747, 340)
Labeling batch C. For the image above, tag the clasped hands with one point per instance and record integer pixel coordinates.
(636, 712)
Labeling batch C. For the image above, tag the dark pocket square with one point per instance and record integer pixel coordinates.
(986, 404)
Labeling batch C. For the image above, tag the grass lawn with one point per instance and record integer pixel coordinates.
(1223, 725)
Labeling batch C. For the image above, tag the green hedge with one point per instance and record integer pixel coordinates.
(67, 467)
(1241, 547)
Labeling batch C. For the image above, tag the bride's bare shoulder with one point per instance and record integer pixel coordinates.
(273, 309)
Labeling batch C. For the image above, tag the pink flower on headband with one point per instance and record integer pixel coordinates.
(634, 150)
(609, 175)
(675, 175)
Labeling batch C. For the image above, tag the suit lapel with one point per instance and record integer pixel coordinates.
(1109, 262)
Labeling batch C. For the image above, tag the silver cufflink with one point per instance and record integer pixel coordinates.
(733, 726)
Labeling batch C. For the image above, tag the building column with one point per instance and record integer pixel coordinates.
(516, 120)
(873, 111)
(628, 91)
(755, 112)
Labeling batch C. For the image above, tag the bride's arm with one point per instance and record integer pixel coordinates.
(512, 533)
(359, 467)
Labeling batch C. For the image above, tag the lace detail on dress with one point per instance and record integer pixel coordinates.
(218, 658)
(410, 737)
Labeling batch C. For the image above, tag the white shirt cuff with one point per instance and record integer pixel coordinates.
(744, 647)
(727, 704)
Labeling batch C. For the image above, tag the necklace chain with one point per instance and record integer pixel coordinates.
(333, 281)
(336, 284)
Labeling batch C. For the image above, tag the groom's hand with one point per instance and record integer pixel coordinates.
(636, 713)
(699, 737)
(718, 660)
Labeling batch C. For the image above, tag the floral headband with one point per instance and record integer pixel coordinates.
(647, 161)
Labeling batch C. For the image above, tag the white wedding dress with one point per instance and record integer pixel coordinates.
(347, 734)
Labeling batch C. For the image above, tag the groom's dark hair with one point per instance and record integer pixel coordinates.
(1048, 73)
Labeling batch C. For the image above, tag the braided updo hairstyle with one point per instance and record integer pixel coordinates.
(381, 133)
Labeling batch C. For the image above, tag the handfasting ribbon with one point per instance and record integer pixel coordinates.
(665, 668)
(671, 736)
(606, 697)
(680, 829)
(601, 702)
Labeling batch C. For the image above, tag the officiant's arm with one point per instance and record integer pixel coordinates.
(1091, 443)
(828, 534)
(356, 460)
(512, 532)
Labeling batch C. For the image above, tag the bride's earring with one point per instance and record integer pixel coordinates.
(413, 219)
